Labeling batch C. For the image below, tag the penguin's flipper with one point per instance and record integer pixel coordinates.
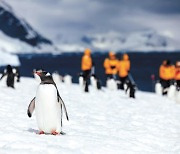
(65, 110)
(31, 107)
(59, 99)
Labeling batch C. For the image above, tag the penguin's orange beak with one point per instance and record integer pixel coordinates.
(38, 73)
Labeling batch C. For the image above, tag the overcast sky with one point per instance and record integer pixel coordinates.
(73, 18)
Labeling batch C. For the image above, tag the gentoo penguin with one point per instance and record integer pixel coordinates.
(48, 105)
(67, 79)
(17, 72)
(36, 77)
(130, 89)
(10, 76)
(57, 78)
(81, 79)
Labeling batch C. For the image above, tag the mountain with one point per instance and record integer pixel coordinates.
(17, 28)
(148, 40)
(66, 32)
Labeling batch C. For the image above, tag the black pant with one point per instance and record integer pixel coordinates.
(86, 76)
(165, 84)
(178, 84)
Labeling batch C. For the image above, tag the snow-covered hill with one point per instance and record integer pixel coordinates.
(137, 41)
(100, 122)
(16, 27)
(69, 30)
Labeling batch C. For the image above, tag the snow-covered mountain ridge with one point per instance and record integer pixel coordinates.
(148, 40)
(16, 27)
(23, 38)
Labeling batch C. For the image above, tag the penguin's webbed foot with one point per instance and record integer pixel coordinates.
(54, 133)
(41, 132)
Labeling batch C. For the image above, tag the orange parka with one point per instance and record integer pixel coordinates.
(110, 64)
(124, 66)
(167, 72)
(86, 62)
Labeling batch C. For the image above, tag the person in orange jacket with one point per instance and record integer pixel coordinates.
(123, 69)
(166, 74)
(86, 65)
(177, 75)
(110, 65)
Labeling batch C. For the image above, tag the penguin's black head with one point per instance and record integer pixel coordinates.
(9, 69)
(45, 76)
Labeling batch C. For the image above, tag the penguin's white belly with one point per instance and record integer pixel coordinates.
(158, 89)
(47, 109)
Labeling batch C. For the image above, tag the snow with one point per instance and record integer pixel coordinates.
(100, 122)
(7, 58)
(10, 45)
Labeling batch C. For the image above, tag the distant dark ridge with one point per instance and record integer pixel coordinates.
(20, 29)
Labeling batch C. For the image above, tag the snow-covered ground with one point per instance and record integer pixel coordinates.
(100, 122)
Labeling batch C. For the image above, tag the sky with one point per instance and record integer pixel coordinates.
(74, 18)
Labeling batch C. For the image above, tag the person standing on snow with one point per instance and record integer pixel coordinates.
(110, 65)
(177, 75)
(123, 70)
(166, 75)
(86, 66)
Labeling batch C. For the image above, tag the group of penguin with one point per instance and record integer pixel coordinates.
(112, 84)
(47, 103)
(172, 92)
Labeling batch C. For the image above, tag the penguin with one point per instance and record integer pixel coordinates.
(36, 77)
(95, 82)
(130, 88)
(158, 88)
(111, 84)
(10, 76)
(68, 80)
(57, 78)
(48, 106)
(17, 72)
(171, 91)
(81, 80)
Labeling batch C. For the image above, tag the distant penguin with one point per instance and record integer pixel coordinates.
(171, 92)
(17, 72)
(48, 105)
(177, 96)
(81, 79)
(111, 84)
(10, 76)
(158, 88)
(93, 81)
(68, 79)
(130, 89)
(57, 78)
